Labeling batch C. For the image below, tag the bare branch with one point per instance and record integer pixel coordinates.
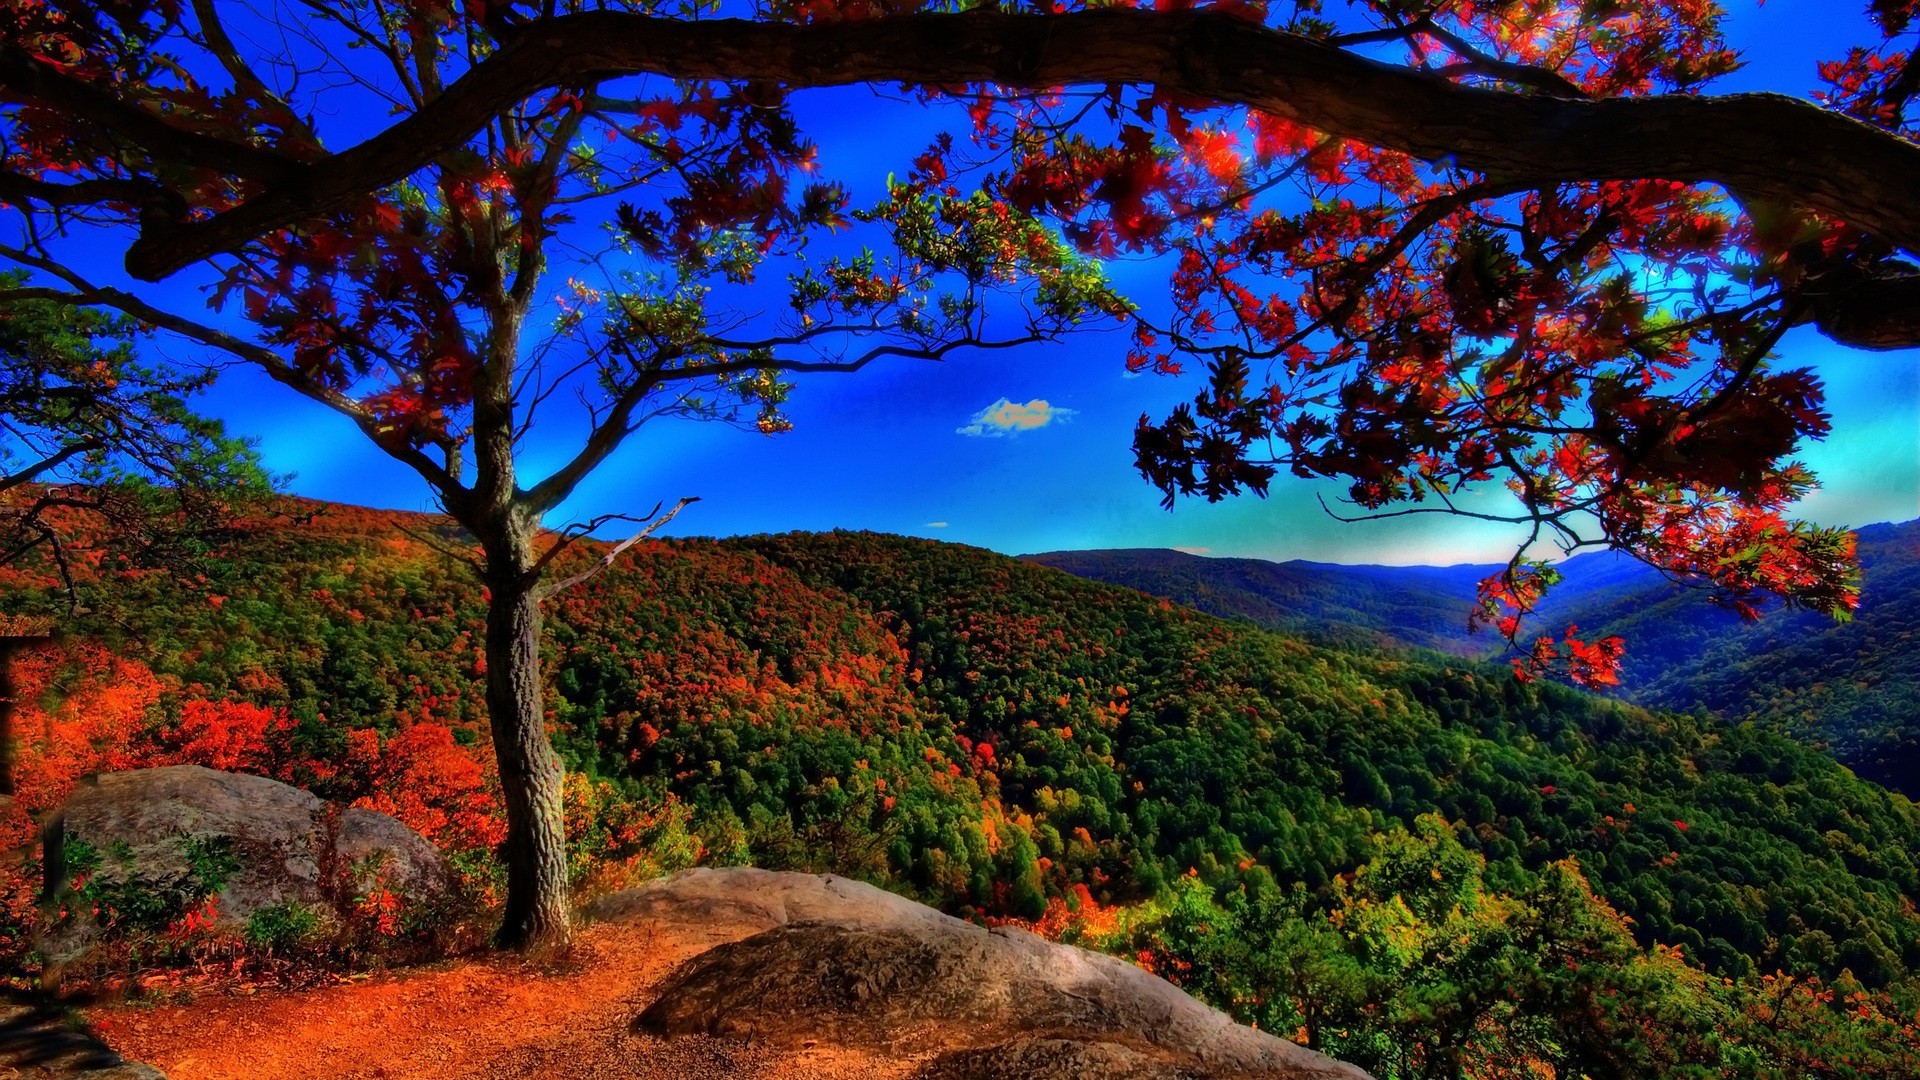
(1481, 63)
(600, 565)
(50, 463)
(448, 550)
(221, 46)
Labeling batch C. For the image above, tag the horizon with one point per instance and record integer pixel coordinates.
(1191, 553)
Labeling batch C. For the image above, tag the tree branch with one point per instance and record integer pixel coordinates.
(221, 46)
(1761, 146)
(17, 190)
(607, 560)
(276, 366)
(159, 139)
(446, 550)
(1875, 313)
(1479, 62)
(49, 463)
(601, 443)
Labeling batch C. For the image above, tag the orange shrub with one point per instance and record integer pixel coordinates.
(81, 710)
(432, 784)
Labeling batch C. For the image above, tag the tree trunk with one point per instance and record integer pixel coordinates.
(535, 852)
(6, 716)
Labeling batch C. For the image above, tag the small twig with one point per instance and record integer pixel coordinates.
(600, 565)
(443, 547)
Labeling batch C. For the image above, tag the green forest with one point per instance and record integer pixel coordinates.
(1847, 687)
(1410, 863)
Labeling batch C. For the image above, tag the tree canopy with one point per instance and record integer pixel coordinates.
(1418, 244)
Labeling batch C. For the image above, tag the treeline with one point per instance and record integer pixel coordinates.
(1852, 689)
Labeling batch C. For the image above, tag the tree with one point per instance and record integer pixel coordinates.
(100, 457)
(1531, 252)
(95, 436)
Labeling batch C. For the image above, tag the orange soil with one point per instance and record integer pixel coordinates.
(494, 1018)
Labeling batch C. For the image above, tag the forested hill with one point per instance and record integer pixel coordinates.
(1853, 688)
(985, 732)
(1387, 606)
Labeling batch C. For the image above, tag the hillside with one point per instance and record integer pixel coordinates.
(1851, 688)
(996, 738)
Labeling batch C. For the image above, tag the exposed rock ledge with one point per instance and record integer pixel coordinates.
(835, 961)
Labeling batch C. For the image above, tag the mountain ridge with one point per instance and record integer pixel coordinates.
(1849, 687)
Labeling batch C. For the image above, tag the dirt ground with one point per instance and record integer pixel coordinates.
(496, 1018)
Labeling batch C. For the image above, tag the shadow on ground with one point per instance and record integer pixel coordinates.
(44, 1040)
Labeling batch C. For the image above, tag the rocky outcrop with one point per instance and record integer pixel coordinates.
(741, 900)
(149, 846)
(835, 961)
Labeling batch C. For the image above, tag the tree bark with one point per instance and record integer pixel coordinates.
(536, 916)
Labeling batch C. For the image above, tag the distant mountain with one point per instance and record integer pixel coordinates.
(1851, 687)
(1421, 606)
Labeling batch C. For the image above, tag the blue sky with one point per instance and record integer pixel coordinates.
(1029, 450)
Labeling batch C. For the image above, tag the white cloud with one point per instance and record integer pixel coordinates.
(936, 525)
(1004, 418)
(1193, 550)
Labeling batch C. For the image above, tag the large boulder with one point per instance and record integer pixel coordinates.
(150, 846)
(830, 960)
(1060, 1059)
(739, 901)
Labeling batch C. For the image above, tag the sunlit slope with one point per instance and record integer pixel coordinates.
(1853, 687)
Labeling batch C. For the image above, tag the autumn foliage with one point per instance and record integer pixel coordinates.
(85, 711)
(1418, 324)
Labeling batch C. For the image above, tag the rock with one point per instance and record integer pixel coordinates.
(369, 844)
(1057, 1059)
(745, 900)
(832, 960)
(152, 844)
